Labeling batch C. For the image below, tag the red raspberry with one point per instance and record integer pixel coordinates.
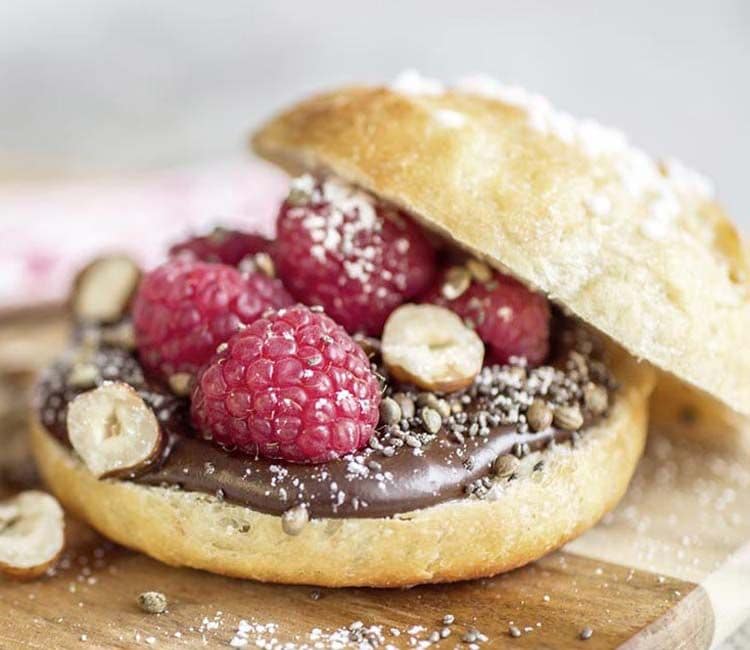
(184, 309)
(336, 248)
(512, 320)
(292, 385)
(222, 246)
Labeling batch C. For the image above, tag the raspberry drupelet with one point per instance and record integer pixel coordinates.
(513, 321)
(184, 309)
(338, 248)
(292, 385)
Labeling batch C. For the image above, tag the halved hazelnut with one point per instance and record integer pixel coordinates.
(32, 534)
(430, 346)
(113, 430)
(103, 289)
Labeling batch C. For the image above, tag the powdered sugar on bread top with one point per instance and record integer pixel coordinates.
(411, 82)
(687, 180)
(450, 119)
(664, 187)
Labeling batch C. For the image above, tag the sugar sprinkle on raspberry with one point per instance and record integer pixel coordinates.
(340, 248)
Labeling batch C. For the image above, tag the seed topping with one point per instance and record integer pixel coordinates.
(153, 602)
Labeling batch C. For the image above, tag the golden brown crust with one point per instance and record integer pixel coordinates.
(672, 290)
(462, 539)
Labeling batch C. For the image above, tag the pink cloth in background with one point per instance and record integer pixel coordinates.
(48, 232)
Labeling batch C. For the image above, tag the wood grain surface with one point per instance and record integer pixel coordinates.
(92, 596)
(668, 569)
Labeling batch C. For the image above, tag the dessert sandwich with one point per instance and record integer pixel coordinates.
(439, 369)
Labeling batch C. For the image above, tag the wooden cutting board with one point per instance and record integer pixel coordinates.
(670, 568)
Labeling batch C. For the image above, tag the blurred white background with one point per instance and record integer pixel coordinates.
(126, 84)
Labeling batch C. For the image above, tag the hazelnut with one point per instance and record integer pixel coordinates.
(113, 430)
(103, 289)
(431, 347)
(31, 534)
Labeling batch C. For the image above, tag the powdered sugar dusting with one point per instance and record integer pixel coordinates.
(639, 173)
(450, 119)
(411, 82)
(688, 181)
(304, 184)
(599, 205)
(262, 634)
(357, 635)
(351, 213)
(663, 187)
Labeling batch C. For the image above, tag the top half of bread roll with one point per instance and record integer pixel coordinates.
(637, 248)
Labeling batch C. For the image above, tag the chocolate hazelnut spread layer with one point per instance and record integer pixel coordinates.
(427, 450)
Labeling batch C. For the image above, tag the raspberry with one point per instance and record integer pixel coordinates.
(222, 246)
(336, 248)
(511, 320)
(184, 309)
(292, 385)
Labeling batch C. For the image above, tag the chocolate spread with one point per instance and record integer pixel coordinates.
(365, 484)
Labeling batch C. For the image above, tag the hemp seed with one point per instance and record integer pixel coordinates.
(413, 441)
(505, 466)
(83, 375)
(443, 408)
(539, 415)
(153, 602)
(427, 399)
(595, 397)
(457, 281)
(298, 196)
(294, 520)
(121, 335)
(479, 270)
(390, 411)
(180, 383)
(406, 404)
(431, 419)
(568, 418)
(264, 264)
